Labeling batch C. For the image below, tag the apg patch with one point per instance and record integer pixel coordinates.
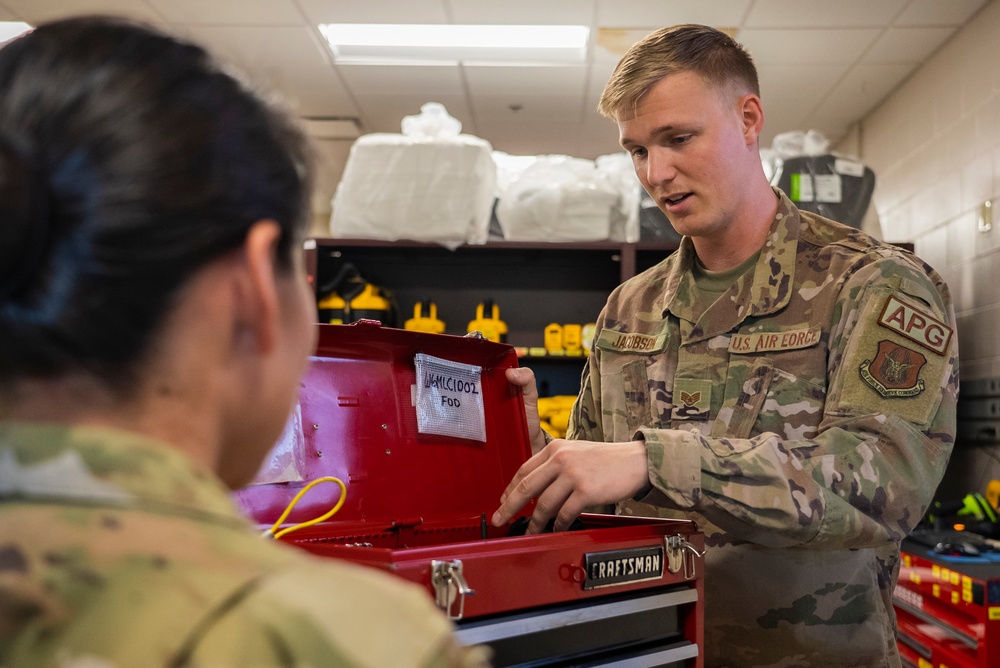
(895, 371)
(915, 324)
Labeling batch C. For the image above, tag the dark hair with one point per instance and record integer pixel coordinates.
(128, 160)
(709, 52)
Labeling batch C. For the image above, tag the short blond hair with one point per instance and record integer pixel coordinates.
(711, 53)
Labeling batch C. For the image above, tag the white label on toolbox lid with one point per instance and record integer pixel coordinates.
(449, 398)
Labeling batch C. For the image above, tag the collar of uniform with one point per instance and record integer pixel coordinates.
(104, 467)
(766, 292)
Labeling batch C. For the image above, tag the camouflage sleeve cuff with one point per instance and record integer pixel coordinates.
(674, 460)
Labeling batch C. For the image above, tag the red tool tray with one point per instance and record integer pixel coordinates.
(417, 505)
(947, 610)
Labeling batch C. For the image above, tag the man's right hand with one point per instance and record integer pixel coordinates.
(525, 379)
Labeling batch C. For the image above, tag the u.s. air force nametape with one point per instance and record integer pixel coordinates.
(766, 342)
(915, 324)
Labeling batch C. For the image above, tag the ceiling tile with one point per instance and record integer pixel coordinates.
(803, 47)
(597, 78)
(546, 80)
(536, 108)
(522, 12)
(531, 138)
(938, 13)
(230, 12)
(384, 112)
(822, 13)
(383, 11)
(38, 11)
(285, 59)
(906, 45)
(389, 79)
(601, 134)
(654, 14)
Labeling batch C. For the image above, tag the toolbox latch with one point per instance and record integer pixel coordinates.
(682, 555)
(449, 586)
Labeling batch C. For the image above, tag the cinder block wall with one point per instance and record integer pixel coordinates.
(934, 145)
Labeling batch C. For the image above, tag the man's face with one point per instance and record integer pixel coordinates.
(690, 145)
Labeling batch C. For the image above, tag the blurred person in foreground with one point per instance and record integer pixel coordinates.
(786, 381)
(155, 320)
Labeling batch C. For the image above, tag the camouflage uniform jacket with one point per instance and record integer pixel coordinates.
(116, 551)
(804, 420)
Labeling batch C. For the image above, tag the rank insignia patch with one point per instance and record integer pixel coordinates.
(692, 399)
(895, 370)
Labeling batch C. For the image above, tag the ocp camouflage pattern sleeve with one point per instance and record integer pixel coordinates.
(862, 476)
(119, 551)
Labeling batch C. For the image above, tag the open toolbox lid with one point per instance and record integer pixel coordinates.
(359, 423)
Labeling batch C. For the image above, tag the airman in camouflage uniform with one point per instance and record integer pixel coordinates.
(118, 551)
(155, 323)
(787, 382)
(803, 420)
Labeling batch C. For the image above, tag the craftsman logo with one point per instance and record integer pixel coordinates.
(620, 567)
(916, 325)
(630, 343)
(894, 371)
(764, 342)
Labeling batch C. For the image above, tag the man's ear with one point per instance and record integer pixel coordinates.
(752, 113)
(262, 312)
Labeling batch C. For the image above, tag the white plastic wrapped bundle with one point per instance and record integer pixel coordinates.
(428, 184)
(556, 198)
(619, 169)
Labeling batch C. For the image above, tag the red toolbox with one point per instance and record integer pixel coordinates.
(426, 432)
(947, 609)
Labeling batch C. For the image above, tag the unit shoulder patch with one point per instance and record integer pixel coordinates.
(895, 370)
(916, 324)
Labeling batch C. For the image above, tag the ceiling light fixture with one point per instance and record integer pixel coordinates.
(384, 42)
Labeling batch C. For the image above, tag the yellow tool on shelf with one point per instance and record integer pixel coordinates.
(553, 413)
(425, 322)
(573, 339)
(348, 297)
(488, 322)
(554, 339)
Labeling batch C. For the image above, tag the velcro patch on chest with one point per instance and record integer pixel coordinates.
(628, 342)
(916, 324)
(766, 342)
(692, 399)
